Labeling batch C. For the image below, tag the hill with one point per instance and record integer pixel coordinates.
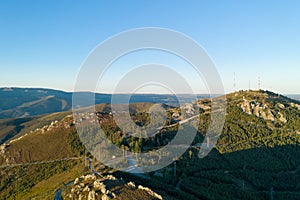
(24, 102)
(16, 127)
(259, 118)
(257, 153)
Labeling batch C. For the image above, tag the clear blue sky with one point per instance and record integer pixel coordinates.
(43, 43)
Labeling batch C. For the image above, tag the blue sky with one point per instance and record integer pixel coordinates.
(44, 43)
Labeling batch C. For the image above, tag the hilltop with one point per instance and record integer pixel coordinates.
(255, 115)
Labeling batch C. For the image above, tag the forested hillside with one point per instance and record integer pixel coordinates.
(256, 157)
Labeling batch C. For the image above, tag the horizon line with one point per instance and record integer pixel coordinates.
(121, 93)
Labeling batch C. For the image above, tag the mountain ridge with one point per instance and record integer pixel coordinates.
(253, 150)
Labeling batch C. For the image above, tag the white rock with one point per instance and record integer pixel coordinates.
(90, 177)
(86, 189)
(91, 195)
(110, 177)
(131, 184)
(105, 197)
(149, 191)
(81, 184)
(76, 181)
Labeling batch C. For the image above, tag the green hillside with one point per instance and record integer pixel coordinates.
(256, 157)
(10, 128)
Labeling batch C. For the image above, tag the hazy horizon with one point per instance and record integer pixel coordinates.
(96, 92)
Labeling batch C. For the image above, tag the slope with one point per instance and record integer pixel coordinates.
(257, 151)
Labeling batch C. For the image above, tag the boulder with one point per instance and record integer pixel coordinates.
(76, 181)
(131, 184)
(91, 195)
(105, 197)
(86, 189)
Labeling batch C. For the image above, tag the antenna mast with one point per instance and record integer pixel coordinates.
(259, 83)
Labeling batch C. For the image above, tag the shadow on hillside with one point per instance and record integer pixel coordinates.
(17, 126)
(255, 173)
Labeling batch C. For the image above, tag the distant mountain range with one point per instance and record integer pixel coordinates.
(25, 102)
(294, 96)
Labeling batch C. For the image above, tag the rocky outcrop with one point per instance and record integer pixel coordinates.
(188, 110)
(204, 107)
(282, 118)
(105, 197)
(280, 105)
(19, 138)
(131, 184)
(149, 191)
(295, 105)
(93, 187)
(90, 186)
(262, 110)
(258, 109)
(91, 195)
(3, 148)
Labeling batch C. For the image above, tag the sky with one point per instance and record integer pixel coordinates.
(45, 43)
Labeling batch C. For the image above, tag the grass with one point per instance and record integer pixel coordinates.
(40, 147)
(46, 189)
(10, 128)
